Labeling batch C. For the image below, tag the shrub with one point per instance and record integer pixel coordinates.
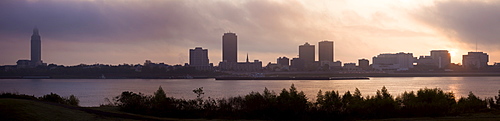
(52, 97)
(470, 104)
(427, 102)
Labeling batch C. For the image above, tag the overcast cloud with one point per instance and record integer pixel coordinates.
(466, 22)
(115, 32)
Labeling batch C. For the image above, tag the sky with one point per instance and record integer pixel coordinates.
(132, 31)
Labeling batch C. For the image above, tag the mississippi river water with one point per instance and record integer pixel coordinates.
(92, 92)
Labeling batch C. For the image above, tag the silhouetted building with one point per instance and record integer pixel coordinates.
(284, 61)
(36, 52)
(306, 53)
(326, 51)
(475, 60)
(198, 58)
(36, 48)
(150, 64)
(329, 65)
(24, 64)
(297, 64)
(364, 64)
(350, 66)
(229, 47)
(437, 59)
(393, 62)
(426, 61)
(442, 58)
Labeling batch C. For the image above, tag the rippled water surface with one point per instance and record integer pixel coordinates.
(92, 92)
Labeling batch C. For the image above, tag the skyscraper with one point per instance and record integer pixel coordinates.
(306, 53)
(229, 47)
(326, 51)
(36, 48)
(198, 57)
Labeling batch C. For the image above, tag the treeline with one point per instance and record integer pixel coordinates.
(52, 97)
(294, 105)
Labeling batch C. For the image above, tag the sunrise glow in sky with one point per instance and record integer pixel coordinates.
(131, 31)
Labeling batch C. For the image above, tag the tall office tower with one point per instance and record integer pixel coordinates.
(198, 57)
(284, 61)
(326, 51)
(229, 47)
(306, 53)
(36, 48)
(364, 64)
(442, 58)
(475, 60)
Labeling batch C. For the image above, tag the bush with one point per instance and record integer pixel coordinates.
(470, 104)
(52, 97)
(427, 102)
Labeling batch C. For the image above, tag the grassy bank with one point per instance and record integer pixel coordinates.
(30, 110)
(25, 110)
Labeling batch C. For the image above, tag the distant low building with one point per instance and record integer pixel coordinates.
(475, 60)
(284, 61)
(337, 65)
(24, 64)
(350, 66)
(442, 58)
(247, 66)
(241, 66)
(393, 61)
(297, 64)
(364, 64)
(282, 64)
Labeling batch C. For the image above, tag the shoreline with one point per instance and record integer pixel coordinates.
(279, 76)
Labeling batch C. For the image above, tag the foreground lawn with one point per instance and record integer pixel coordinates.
(27, 110)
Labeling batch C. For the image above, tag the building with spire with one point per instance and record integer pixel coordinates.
(230, 53)
(247, 66)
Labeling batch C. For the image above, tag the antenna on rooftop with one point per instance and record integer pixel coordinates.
(476, 45)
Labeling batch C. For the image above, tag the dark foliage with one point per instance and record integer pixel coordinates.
(17, 96)
(293, 105)
(427, 102)
(470, 104)
(52, 97)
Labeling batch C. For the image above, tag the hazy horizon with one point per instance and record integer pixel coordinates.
(117, 32)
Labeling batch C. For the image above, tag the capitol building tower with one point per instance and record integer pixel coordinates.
(36, 48)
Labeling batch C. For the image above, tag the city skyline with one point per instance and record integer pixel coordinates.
(116, 32)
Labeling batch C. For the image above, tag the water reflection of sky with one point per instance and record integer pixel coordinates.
(92, 92)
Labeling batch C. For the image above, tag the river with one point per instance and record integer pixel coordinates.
(93, 92)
